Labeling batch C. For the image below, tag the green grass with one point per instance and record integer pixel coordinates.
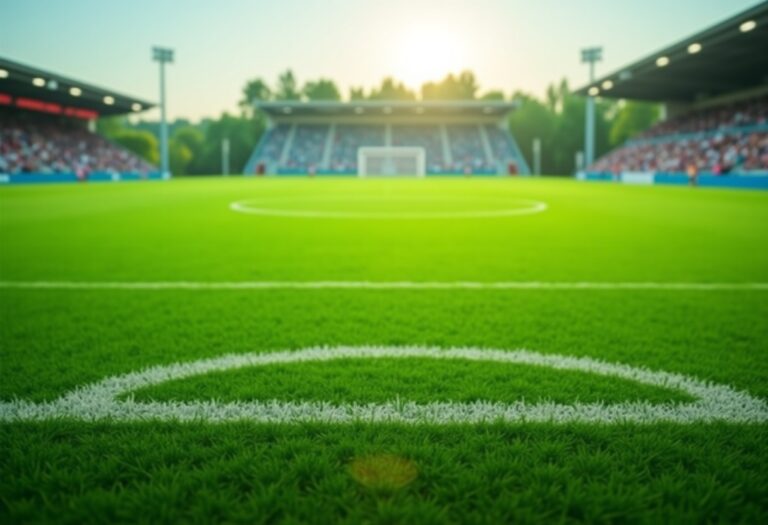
(54, 341)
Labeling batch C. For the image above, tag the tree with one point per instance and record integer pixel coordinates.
(558, 121)
(179, 156)
(185, 148)
(321, 89)
(390, 89)
(287, 87)
(497, 96)
(632, 118)
(243, 134)
(254, 90)
(533, 120)
(142, 143)
(110, 126)
(356, 93)
(462, 87)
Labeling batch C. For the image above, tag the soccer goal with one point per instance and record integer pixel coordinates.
(383, 161)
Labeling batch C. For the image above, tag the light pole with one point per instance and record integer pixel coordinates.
(163, 56)
(225, 156)
(590, 56)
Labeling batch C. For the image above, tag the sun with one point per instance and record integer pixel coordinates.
(428, 54)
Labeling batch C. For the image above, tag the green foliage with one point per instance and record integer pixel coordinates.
(142, 143)
(254, 90)
(110, 126)
(357, 93)
(461, 87)
(632, 118)
(391, 89)
(179, 156)
(558, 121)
(243, 134)
(185, 148)
(287, 87)
(321, 89)
(497, 96)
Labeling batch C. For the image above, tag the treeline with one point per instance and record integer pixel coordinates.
(557, 120)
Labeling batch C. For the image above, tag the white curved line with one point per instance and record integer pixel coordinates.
(379, 285)
(99, 401)
(530, 207)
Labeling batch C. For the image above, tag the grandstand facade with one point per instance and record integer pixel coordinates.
(714, 90)
(47, 124)
(457, 137)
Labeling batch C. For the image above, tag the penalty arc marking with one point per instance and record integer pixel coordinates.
(262, 207)
(102, 401)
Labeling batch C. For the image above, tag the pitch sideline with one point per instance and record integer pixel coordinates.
(382, 285)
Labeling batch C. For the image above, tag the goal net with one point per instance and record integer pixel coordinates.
(391, 162)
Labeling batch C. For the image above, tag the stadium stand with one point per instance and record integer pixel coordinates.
(715, 96)
(348, 139)
(33, 143)
(324, 137)
(47, 129)
(727, 139)
(424, 136)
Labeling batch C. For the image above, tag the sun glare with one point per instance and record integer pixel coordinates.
(428, 54)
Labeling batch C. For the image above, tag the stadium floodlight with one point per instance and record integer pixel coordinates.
(537, 156)
(590, 56)
(163, 56)
(75, 91)
(662, 61)
(694, 48)
(3, 73)
(225, 156)
(136, 106)
(38, 81)
(747, 26)
(109, 100)
(607, 84)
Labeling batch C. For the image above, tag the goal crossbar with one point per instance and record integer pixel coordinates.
(388, 161)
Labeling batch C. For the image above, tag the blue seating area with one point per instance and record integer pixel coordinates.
(423, 136)
(307, 148)
(319, 148)
(501, 143)
(467, 150)
(348, 138)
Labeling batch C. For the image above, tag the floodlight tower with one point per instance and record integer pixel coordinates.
(590, 56)
(163, 56)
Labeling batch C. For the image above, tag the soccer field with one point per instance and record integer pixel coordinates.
(383, 351)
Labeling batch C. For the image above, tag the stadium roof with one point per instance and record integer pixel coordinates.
(45, 91)
(387, 108)
(728, 57)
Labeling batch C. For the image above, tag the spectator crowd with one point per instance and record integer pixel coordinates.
(720, 140)
(32, 143)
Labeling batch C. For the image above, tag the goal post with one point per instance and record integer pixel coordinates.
(391, 161)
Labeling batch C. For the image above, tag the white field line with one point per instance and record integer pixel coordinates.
(257, 207)
(100, 401)
(379, 285)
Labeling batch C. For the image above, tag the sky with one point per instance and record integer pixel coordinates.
(220, 44)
